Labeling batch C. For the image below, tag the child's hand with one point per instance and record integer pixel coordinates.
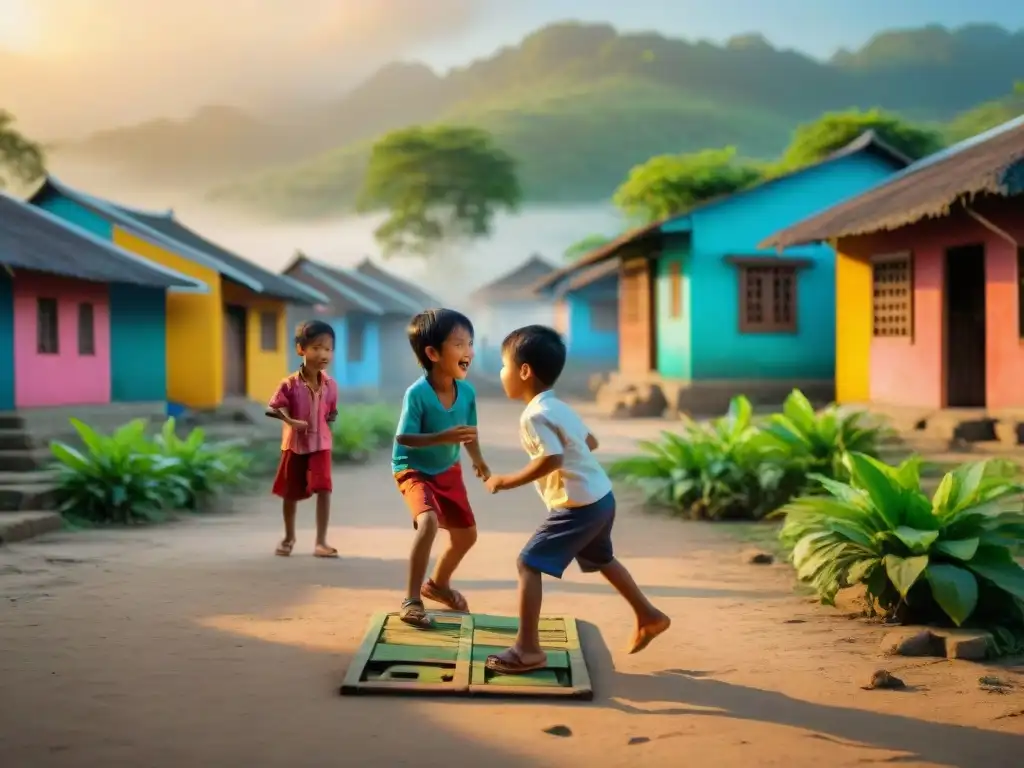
(458, 435)
(298, 424)
(495, 483)
(332, 417)
(482, 470)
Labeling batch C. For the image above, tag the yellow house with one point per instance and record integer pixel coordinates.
(229, 342)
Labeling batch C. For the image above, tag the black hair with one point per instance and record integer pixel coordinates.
(539, 347)
(431, 329)
(306, 332)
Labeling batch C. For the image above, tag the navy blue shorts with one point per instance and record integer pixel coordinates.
(583, 534)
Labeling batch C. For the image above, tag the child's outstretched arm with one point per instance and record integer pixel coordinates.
(476, 454)
(541, 442)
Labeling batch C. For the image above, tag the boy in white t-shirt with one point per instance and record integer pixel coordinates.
(575, 489)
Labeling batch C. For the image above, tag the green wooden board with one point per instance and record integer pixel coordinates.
(450, 658)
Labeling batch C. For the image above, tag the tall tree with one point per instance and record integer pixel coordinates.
(667, 185)
(834, 130)
(438, 184)
(20, 157)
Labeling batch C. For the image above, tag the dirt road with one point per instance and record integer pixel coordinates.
(191, 645)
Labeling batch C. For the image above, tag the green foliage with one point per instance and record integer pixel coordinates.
(667, 185)
(585, 245)
(736, 467)
(948, 558)
(127, 478)
(988, 115)
(361, 429)
(20, 157)
(438, 184)
(832, 131)
(725, 469)
(820, 441)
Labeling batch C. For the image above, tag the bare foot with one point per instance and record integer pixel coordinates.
(325, 550)
(514, 662)
(647, 629)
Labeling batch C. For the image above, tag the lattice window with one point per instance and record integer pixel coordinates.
(893, 298)
(355, 347)
(47, 328)
(768, 299)
(86, 329)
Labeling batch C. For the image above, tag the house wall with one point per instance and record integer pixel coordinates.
(138, 344)
(636, 316)
(735, 227)
(65, 378)
(912, 371)
(360, 374)
(398, 364)
(673, 338)
(493, 322)
(264, 369)
(6, 342)
(593, 349)
(195, 328)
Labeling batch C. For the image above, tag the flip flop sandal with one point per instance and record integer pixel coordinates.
(284, 549)
(327, 552)
(448, 597)
(413, 614)
(513, 665)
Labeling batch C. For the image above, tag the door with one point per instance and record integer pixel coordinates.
(965, 327)
(234, 351)
(636, 318)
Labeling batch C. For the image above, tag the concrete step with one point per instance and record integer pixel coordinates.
(25, 459)
(19, 526)
(10, 420)
(37, 477)
(13, 439)
(28, 496)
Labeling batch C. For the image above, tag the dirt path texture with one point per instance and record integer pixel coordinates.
(191, 645)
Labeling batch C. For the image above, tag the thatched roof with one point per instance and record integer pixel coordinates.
(866, 142)
(991, 163)
(515, 285)
(34, 239)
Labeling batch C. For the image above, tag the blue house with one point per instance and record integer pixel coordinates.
(705, 314)
(370, 315)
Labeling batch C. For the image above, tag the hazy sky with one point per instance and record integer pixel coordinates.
(84, 63)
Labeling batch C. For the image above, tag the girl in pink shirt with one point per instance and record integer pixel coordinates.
(307, 403)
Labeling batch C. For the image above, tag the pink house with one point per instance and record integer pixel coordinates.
(930, 286)
(57, 287)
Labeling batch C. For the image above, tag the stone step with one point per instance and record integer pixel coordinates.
(25, 459)
(28, 496)
(36, 477)
(14, 439)
(19, 526)
(11, 421)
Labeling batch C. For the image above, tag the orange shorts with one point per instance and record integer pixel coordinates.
(444, 494)
(300, 475)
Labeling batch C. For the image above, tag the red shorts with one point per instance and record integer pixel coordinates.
(444, 494)
(300, 475)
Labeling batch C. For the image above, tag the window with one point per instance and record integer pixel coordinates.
(47, 336)
(355, 339)
(892, 288)
(675, 289)
(604, 315)
(767, 299)
(268, 331)
(86, 329)
(1020, 292)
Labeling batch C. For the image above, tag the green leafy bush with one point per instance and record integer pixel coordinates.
(725, 469)
(948, 558)
(820, 441)
(361, 429)
(127, 478)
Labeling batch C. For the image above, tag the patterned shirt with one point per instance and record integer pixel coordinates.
(314, 407)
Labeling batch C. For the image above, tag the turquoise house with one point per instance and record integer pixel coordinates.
(587, 316)
(370, 314)
(704, 313)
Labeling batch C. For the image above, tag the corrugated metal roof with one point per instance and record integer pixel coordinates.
(368, 269)
(517, 283)
(350, 289)
(31, 238)
(983, 164)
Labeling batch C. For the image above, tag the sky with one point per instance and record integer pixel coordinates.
(149, 58)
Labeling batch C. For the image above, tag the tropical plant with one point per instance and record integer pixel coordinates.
(204, 468)
(361, 429)
(822, 440)
(725, 469)
(118, 478)
(948, 558)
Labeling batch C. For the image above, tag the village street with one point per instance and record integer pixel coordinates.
(191, 645)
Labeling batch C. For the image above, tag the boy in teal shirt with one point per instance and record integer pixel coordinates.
(438, 417)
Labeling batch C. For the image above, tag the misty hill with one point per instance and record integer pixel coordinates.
(578, 104)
